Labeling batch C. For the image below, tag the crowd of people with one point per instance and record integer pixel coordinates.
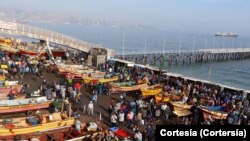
(139, 114)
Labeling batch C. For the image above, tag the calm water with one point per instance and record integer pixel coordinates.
(232, 73)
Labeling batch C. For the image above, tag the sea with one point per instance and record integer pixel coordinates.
(133, 40)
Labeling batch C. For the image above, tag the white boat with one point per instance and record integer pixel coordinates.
(226, 34)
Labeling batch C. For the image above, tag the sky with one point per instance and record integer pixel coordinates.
(193, 16)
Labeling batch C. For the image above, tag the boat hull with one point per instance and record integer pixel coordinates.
(180, 107)
(23, 108)
(214, 114)
(162, 99)
(116, 88)
(151, 91)
(88, 80)
(38, 128)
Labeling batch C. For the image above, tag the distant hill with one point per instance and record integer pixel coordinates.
(24, 16)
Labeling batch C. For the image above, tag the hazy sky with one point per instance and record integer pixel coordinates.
(195, 16)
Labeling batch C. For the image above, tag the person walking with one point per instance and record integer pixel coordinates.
(91, 108)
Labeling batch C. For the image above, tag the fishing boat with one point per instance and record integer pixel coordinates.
(96, 74)
(65, 133)
(7, 88)
(29, 52)
(126, 86)
(32, 51)
(25, 125)
(71, 66)
(88, 80)
(74, 70)
(152, 90)
(162, 98)
(226, 34)
(9, 49)
(22, 105)
(216, 112)
(179, 106)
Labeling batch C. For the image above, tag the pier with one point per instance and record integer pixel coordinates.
(199, 56)
(45, 35)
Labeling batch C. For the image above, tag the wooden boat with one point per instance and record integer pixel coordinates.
(17, 96)
(71, 66)
(161, 98)
(152, 90)
(32, 52)
(100, 80)
(179, 106)
(9, 49)
(64, 133)
(20, 126)
(213, 113)
(84, 72)
(126, 87)
(8, 88)
(22, 105)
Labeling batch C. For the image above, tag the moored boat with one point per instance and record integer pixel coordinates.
(6, 89)
(29, 52)
(23, 105)
(100, 80)
(20, 126)
(162, 98)
(126, 87)
(152, 90)
(215, 112)
(179, 106)
(9, 49)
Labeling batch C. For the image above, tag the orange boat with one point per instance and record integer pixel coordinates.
(66, 133)
(213, 113)
(126, 87)
(152, 90)
(26, 125)
(162, 98)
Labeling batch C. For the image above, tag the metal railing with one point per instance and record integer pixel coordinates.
(43, 34)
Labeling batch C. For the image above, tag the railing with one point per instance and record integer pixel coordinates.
(43, 34)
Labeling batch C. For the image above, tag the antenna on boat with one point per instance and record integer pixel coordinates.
(49, 51)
